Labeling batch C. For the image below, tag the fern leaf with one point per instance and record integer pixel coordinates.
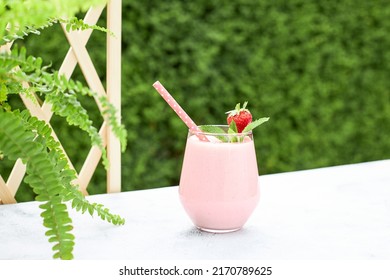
(41, 175)
(61, 93)
(25, 137)
(20, 25)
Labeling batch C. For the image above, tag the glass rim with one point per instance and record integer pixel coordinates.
(223, 126)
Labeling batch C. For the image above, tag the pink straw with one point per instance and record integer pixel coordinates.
(178, 110)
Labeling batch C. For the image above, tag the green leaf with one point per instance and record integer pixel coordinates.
(3, 93)
(215, 130)
(212, 129)
(233, 130)
(91, 210)
(25, 137)
(254, 124)
(233, 127)
(60, 92)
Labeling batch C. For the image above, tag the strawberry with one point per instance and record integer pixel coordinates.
(241, 116)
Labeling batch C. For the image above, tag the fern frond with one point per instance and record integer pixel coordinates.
(33, 16)
(80, 203)
(14, 34)
(68, 175)
(72, 23)
(75, 23)
(16, 65)
(17, 141)
(118, 128)
(26, 137)
(48, 173)
(60, 92)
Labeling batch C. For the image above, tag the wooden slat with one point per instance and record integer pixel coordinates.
(114, 24)
(92, 161)
(36, 110)
(70, 60)
(86, 65)
(16, 176)
(5, 195)
(6, 47)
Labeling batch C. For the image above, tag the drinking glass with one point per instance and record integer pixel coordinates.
(219, 180)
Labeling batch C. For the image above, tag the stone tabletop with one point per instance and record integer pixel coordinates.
(332, 213)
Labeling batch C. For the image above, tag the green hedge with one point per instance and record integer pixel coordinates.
(319, 69)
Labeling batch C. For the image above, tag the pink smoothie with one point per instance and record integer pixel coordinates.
(219, 183)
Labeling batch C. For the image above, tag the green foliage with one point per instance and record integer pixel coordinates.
(20, 18)
(255, 124)
(48, 173)
(58, 91)
(319, 69)
(50, 176)
(25, 137)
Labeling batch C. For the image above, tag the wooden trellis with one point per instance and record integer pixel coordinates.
(78, 54)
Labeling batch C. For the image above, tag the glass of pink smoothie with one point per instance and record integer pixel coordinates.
(219, 180)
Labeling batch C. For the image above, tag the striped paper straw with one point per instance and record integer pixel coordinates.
(179, 110)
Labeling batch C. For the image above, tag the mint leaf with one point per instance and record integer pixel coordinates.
(215, 130)
(233, 130)
(254, 124)
(233, 127)
(212, 129)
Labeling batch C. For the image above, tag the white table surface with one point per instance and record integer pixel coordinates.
(333, 213)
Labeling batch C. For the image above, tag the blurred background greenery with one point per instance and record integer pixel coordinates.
(319, 69)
